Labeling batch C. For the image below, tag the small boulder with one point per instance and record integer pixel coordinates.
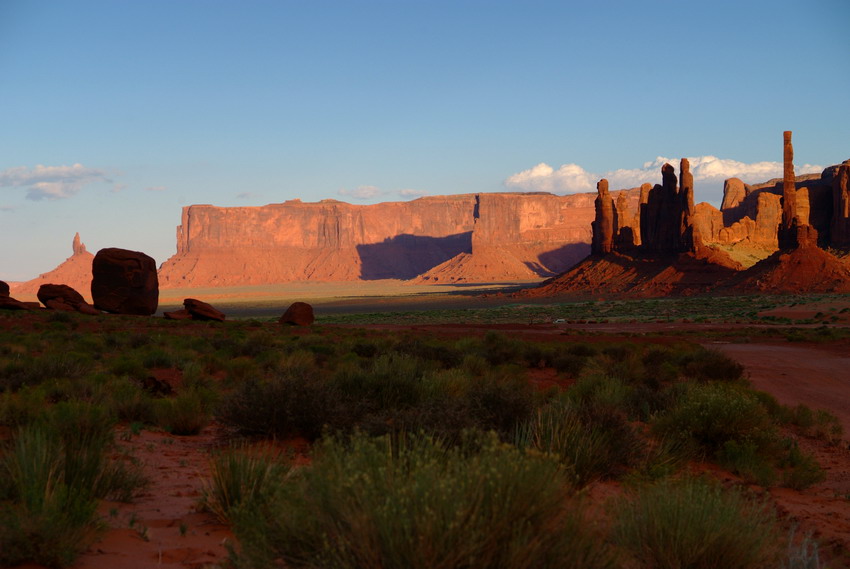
(202, 311)
(124, 282)
(181, 314)
(299, 314)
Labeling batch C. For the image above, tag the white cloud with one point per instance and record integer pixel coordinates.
(116, 188)
(155, 189)
(411, 193)
(362, 192)
(247, 195)
(569, 178)
(51, 182)
(709, 173)
(6, 208)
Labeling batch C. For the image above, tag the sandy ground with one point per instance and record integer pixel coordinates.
(165, 526)
(815, 377)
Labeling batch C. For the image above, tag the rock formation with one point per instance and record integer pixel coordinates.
(75, 272)
(684, 247)
(603, 225)
(463, 238)
(298, 314)
(63, 297)
(200, 310)
(124, 282)
(840, 223)
(4, 289)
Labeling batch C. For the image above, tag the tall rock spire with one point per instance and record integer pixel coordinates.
(79, 247)
(603, 226)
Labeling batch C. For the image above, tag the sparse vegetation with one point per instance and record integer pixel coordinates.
(392, 418)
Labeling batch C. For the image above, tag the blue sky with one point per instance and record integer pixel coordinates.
(115, 114)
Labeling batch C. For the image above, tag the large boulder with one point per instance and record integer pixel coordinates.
(202, 311)
(4, 289)
(299, 314)
(124, 282)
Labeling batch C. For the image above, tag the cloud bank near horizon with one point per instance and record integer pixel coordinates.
(51, 182)
(709, 172)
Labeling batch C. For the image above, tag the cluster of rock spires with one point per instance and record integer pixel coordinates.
(668, 245)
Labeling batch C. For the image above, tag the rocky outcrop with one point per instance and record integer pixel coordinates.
(75, 272)
(840, 223)
(124, 282)
(603, 225)
(78, 246)
(734, 192)
(63, 297)
(4, 289)
(463, 238)
(298, 314)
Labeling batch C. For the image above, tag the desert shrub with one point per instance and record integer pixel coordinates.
(156, 357)
(414, 502)
(34, 370)
(128, 365)
(596, 448)
(711, 365)
(243, 477)
(185, 414)
(285, 406)
(569, 364)
(827, 427)
(711, 414)
(748, 461)
(436, 352)
(498, 349)
(53, 472)
(800, 470)
(695, 523)
(131, 403)
(22, 407)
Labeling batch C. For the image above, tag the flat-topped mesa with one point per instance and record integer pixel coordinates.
(603, 225)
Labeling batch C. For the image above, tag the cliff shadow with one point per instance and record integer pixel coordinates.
(406, 256)
(558, 260)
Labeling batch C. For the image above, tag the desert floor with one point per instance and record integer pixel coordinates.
(165, 527)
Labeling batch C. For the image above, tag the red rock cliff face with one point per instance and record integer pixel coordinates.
(536, 234)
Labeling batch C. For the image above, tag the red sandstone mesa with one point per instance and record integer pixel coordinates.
(124, 282)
